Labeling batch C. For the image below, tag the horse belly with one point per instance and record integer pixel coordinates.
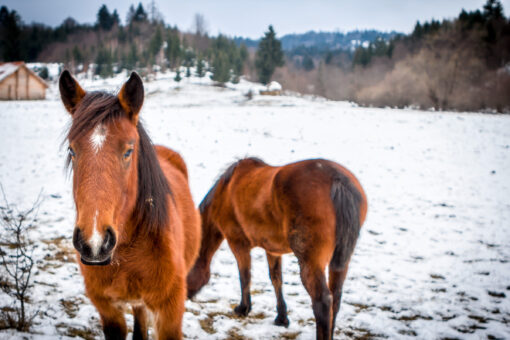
(269, 237)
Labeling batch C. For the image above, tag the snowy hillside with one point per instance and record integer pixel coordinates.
(432, 259)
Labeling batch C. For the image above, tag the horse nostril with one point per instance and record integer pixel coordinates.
(109, 240)
(77, 239)
(80, 244)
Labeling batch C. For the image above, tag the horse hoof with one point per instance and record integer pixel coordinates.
(242, 310)
(281, 321)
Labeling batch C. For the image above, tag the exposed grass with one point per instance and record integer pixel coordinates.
(359, 333)
(72, 306)
(64, 250)
(75, 332)
(207, 325)
(234, 334)
(257, 291)
(290, 335)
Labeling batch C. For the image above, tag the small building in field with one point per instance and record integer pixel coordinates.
(18, 82)
(273, 89)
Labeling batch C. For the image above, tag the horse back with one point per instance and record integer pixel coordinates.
(173, 158)
(184, 217)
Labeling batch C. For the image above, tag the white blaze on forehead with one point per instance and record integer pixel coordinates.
(95, 240)
(98, 137)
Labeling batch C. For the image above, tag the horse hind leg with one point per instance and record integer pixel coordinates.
(242, 254)
(275, 273)
(314, 280)
(336, 281)
(140, 329)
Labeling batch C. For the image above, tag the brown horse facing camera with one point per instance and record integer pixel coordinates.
(314, 208)
(137, 230)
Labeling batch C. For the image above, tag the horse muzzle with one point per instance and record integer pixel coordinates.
(97, 251)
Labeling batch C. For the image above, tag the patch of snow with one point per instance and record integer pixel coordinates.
(7, 69)
(274, 86)
(432, 259)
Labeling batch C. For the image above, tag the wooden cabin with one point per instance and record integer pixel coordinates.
(273, 89)
(18, 82)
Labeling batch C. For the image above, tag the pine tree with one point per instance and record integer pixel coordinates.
(493, 10)
(155, 44)
(200, 67)
(77, 55)
(10, 35)
(132, 58)
(115, 18)
(43, 73)
(269, 56)
(104, 18)
(220, 68)
(140, 14)
(239, 58)
(307, 63)
(362, 56)
(104, 63)
(188, 61)
(121, 35)
(178, 75)
(173, 48)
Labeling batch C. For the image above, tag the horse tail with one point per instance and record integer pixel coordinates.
(347, 201)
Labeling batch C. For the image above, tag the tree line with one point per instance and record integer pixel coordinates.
(461, 63)
(144, 43)
(453, 64)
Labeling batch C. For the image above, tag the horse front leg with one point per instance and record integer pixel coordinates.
(275, 272)
(241, 252)
(140, 329)
(168, 310)
(112, 318)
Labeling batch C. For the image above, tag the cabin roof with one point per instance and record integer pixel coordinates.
(6, 69)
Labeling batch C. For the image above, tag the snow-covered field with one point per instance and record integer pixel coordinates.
(433, 257)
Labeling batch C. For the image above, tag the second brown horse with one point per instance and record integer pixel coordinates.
(313, 208)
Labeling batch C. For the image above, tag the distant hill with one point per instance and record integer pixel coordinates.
(325, 41)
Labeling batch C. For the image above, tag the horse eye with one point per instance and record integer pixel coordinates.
(128, 153)
(71, 152)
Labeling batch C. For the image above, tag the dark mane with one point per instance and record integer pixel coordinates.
(151, 209)
(224, 179)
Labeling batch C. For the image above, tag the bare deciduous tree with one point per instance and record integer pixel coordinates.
(17, 263)
(199, 25)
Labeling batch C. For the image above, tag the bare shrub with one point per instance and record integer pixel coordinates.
(401, 87)
(295, 79)
(447, 72)
(16, 265)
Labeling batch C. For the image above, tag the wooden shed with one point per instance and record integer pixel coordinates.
(18, 82)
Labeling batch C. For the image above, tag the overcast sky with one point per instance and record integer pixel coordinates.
(250, 18)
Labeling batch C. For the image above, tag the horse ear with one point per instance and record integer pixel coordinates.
(131, 97)
(71, 92)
